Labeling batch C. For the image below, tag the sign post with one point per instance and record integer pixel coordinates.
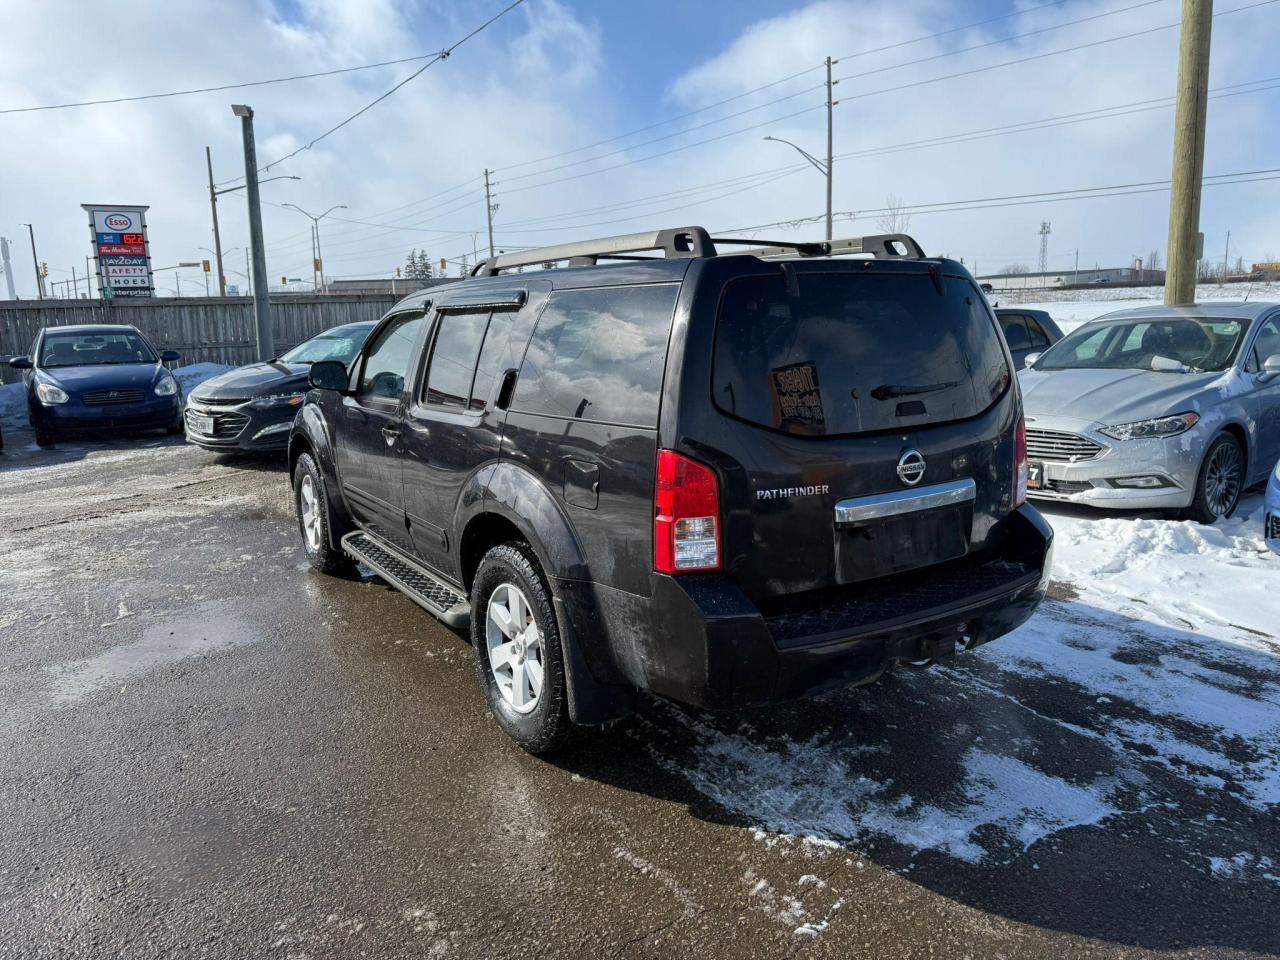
(121, 251)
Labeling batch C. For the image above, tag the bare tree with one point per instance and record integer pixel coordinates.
(1013, 268)
(895, 219)
(1153, 260)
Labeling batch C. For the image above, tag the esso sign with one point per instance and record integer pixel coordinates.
(118, 221)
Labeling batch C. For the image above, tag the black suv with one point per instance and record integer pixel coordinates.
(726, 478)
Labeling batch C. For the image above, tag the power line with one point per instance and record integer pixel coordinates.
(852, 76)
(225, 86)
(773, 83)
(442, 55)
(870, 93)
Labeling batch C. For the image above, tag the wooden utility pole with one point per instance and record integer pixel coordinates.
(488, 211)
(1185, 240)
(830, 159)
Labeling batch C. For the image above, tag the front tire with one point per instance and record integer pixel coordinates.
(516, 644)
(311, 503)
(44, 437)
(1220, 481)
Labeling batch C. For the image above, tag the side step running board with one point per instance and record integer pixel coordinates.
(409, 577)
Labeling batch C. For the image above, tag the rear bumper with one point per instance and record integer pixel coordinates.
(699, 639)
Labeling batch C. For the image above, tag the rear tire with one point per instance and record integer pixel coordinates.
(1219, 483)
(516, 644)
(311, 503)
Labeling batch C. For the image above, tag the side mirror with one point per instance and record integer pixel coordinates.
(1270, 368)
(328, 375)
(1030, 359)
(170, 356)
(24, 363)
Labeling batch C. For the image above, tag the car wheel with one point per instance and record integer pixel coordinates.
(175, 428)
(1220, 481)
(312, 505)
(44, 437)
(516, 644)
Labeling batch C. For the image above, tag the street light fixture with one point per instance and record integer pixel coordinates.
(822, 168)
(214, 194)
(315, 226)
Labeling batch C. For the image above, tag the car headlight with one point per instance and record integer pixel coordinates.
(48, 393)
(1157, 427)
(279, 400)
(167, 387)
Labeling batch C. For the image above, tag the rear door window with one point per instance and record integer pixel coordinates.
(855, 353)
(599, 355)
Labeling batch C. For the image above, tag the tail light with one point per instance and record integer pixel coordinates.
(1020, 465)
(686, 515)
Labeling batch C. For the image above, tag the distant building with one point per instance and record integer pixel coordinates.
(1127, 276)
(1268, 270)
(402, 286)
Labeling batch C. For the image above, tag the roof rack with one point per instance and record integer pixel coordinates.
(684, 242)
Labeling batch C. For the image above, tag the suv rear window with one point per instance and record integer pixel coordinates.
(855, 353)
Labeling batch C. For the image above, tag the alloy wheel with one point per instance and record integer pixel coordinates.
(1223, 479)
(309, 504)
(516, 655)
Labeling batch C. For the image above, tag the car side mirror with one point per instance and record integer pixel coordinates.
(1030, 359)
(328, 375)
(170, 356)
(20, 363)
(1270, 368)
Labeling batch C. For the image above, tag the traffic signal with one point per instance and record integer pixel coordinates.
(284, 281)
(397, 273)
(204, 265)
(444, 265)
(44, 269)
(315, 265)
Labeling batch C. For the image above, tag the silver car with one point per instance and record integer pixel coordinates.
(1157, 407)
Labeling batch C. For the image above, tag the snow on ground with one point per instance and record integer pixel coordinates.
(1071, 308)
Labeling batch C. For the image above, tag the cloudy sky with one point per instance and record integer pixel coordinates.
(602, 118)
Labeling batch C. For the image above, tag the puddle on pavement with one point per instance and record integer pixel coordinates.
(201, 630)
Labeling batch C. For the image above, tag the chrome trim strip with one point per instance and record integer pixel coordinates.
(857, 509)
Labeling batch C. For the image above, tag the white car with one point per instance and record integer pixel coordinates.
(1271, 514)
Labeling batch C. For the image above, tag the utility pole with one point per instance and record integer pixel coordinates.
(248, 271)
(1075, 280)
(88, 279)
(8, 267)
(830, 104)
(1045, 230)
(1186, 243)
(75, 283)
(35, 262)
(217, 237)
(1226, 258)
(261, 305)
(315, 259)
(488, 209)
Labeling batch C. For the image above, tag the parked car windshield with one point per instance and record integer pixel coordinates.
(86, 349)
(855, 353)
(1167, 344)
(340, 343)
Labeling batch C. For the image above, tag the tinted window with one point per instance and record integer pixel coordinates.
(853, 353)
(1015, 332)
(81, 349)
(453, 358)
(386, 362)
(1036, 333)
(599, 355)
(491, 354)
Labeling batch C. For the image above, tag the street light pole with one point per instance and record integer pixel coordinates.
(261, 304)
(315, 226)
(822, 168)
(830, 159)
(35, 262)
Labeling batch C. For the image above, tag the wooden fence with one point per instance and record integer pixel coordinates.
(202, 329)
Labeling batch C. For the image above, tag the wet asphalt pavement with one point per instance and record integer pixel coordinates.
(206, 749)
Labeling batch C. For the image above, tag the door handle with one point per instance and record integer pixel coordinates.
(390, 434)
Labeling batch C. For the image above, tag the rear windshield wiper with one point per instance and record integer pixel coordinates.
(889, 391)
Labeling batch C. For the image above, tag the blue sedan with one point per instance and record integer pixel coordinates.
(99, 377)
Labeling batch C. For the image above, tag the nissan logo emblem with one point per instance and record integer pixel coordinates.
(911, 467)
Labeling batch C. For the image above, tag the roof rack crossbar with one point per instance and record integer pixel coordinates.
(679, 242)
(881, 246)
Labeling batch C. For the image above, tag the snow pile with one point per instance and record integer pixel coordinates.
(1071, 308)
(13, 406)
